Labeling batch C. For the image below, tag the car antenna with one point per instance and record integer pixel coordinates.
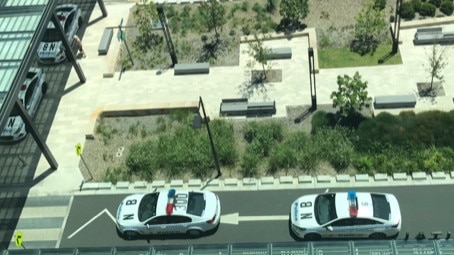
(155, 190)
(326, 191)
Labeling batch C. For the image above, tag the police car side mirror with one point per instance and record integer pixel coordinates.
(148, 226)
(330, 228)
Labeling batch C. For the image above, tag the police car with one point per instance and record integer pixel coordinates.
(168, 212)
(51, 50)
(31, 94)
(346, 215)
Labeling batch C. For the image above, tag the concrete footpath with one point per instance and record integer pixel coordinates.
(149, 89)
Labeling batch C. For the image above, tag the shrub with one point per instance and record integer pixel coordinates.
(427, 9)
(437, 3)
(363, 163)
(309, 157)
(245, 6)
(447, 7)
(380, 4)
(246, 29)
(140, 160)
(416, 5)
(282, 157)
(322, 119)
(407, 11)
(232, 32)
(334, 146)
(223, 134)
(249, 164)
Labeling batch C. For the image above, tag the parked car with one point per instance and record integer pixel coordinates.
(31, 95)
(51, 49)
(346, 215)
(173, 212)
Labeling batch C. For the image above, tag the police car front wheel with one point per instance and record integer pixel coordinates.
(312, 236)
(194, 232)
(130, 235)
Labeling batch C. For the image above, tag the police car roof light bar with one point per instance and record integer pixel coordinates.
(353, 206)
(170, 201)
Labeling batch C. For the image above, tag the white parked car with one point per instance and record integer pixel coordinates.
(31, 95)
(51, 50)
(171, 212)
(346, 215)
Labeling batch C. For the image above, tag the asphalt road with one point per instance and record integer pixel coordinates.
(424, 208)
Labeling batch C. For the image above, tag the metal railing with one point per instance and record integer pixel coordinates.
(369, 247)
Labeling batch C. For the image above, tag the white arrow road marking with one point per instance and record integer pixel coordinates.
(235, 218)
(92, 219)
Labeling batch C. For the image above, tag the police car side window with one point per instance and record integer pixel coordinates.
(158, 220)
(361, 221)
(341, 223)
(175, 219)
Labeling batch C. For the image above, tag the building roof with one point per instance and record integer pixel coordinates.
(22, 24)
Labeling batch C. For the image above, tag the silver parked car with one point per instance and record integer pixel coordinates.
(31, 95)
(51, 50)
(346, 215)
(171, 212)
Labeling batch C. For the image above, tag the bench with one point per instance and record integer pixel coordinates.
(395, 101)
(432, 36)
(261, 108)
(104, 44)
(281, 53)
(241, 107)
(193, 68)
(234, 107)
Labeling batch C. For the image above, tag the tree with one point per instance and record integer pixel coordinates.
(436, 65)
(213, 15)
(370, 21)
(260, 53)
(143, 14)
(294, 10)
(351, 96)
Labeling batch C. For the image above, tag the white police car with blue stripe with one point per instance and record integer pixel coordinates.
(346, 215)
(171, 212)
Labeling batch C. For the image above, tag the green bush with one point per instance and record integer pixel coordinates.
(407, 11)
(309, 157)
(321, 120)
(245, 6)
(427, 9)
(334, 146)
(416, 5)
(140, 159)
(447, 7)
(282, 157)
(223, 134)
(437, 3)
(380, 4)
(246, 29)
(249, 164)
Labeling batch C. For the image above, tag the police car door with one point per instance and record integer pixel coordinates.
(178, 224)
(157, 225)
(341, 228)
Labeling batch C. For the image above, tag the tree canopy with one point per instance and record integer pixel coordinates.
(294, 10)
(351, 95)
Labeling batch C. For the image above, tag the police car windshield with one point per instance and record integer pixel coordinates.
(325, 208)
(147, 207)
(196, 203)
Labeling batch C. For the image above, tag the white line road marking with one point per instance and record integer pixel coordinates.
(91, 220)
(48, 211)
(235, 218)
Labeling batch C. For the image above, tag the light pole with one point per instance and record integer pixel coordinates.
(197, 123)
(310, 52)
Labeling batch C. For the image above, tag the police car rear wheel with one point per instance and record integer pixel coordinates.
(312, 236)
(130, 235)
(44, 88)
(377, 236)
(194, 232)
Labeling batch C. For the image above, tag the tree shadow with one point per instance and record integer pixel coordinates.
(210, 50)
(250, 87)
(288, 26)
